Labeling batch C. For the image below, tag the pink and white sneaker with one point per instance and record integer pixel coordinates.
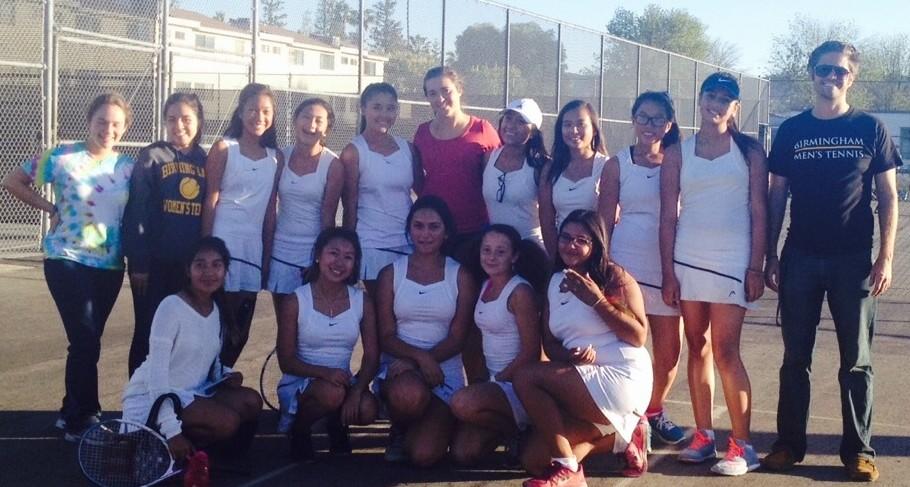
(558, 475)
(636, 454)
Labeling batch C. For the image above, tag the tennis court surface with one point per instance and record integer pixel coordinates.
(32, 352)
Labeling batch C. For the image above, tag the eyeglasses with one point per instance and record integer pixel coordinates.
(501, 192)
(642, 119)
(825, 70)
(579, 241)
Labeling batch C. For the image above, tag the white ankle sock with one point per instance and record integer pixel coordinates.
(569, 462)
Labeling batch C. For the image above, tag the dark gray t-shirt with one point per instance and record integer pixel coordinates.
(830, 165)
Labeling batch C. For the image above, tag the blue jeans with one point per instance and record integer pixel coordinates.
(805, 280)
(84, 297)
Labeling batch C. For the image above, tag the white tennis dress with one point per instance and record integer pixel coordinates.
(183, 359)
(246, 187)
(424, 315)
(518, 192)
(620, 378)
(322, 340)
(383, 203)
(501, 341)
(635, 244)
(299, 222)
(714, 231)
(582, 194)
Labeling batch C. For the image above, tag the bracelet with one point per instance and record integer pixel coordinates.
(602, 299)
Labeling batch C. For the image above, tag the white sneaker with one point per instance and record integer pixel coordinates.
(739, 460)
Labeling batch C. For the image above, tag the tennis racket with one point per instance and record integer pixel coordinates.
(121, 453)
(269, 377)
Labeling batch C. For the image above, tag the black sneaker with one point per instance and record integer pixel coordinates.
(339, 436)
(74, 434)
(60, 423)
(395, 452)
(302, 447)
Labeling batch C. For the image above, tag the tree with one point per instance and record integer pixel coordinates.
(790, 51)
(220, 16)
(404, 68)
(333, 18)
(272, 13)
(480, 57)
(883, 80)
(674, 30)
(723, 53)
(306, 22)
(385, 34)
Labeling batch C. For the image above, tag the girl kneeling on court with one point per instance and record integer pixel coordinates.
(424, 308)
(508, 315)
(318, 327)
(184, 346)
(593, 394)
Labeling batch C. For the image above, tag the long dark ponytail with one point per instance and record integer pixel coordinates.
(663, 99)
(561, 154)
(369, 92)
(235, 128)
(745, 143)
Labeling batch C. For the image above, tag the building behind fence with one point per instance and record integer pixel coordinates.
(57, 55)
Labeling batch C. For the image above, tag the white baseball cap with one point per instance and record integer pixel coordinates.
(528, 110)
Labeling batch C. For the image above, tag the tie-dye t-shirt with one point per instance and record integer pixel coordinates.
(90, 197)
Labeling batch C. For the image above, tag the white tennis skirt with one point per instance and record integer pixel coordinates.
(285, 275)
(375, 259)
(710, 286)
(621, 391)
(654, 301)
(518, 409)
(454, 378)
(245, 269)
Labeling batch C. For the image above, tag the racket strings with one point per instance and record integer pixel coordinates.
(112, 455)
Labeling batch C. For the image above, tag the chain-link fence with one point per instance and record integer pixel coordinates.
(50, 70)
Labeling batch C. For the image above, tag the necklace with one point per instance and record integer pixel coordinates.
(326, 300)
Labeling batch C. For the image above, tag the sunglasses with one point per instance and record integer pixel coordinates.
(825, 70)
(501, 192)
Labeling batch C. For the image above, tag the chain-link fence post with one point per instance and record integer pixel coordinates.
(442, 37)
(48, 106)
(508, 59)
(600, 74)
(558, 66)
(638, 70)
(254, 26)
(695, 88)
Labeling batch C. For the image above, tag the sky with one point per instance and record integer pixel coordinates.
(750, 25)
